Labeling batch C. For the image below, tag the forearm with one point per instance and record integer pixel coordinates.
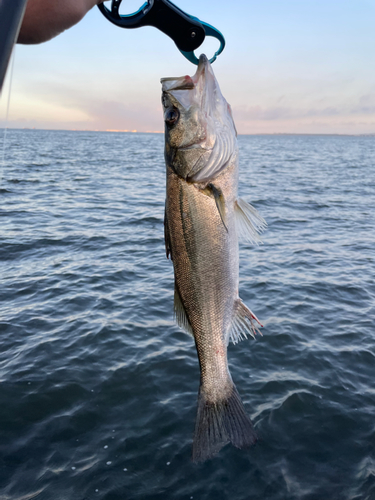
(45, 19)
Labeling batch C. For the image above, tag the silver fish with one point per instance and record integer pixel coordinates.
(202, 219)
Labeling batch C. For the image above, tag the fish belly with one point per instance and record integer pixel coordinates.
(205, 259)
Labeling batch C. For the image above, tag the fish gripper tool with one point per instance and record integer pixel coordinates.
(187, 32)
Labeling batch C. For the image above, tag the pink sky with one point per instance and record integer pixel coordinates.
(289, 67)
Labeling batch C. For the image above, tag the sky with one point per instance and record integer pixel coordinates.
(289, 66)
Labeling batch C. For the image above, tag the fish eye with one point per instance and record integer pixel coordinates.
(171, 116)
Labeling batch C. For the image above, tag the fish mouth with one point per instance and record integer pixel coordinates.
(177, 83)
(186, 82)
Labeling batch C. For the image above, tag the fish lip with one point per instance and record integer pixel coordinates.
(184, 83)
(202, 66)
(187, 82)
(203, 62)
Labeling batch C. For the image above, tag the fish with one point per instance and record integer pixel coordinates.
(203, 219)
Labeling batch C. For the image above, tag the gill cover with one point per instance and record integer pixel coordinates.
(200, 135)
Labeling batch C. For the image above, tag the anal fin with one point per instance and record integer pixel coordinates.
(242, 323)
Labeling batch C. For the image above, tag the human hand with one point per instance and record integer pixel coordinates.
(45, 19)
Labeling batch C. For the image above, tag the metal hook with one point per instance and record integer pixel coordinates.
(187, 32)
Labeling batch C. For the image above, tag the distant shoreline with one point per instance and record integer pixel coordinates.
(162, 132)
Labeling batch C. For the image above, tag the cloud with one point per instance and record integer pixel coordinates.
(365, 105)
(260, 113)
(63, 107)
(281, 113)
(118, 115)
(355, 117)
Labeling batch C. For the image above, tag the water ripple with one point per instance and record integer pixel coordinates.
(98, 386)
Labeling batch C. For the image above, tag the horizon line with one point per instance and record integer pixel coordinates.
(126, 131)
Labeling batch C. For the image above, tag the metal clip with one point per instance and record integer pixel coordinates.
(187, 32)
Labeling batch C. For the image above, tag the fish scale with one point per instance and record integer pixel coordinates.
(201, 237)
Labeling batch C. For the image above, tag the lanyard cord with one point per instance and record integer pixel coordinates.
(7, 115)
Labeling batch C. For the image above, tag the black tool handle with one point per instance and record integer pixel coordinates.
(186, 31)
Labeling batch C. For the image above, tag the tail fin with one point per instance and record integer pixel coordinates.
(219, 423)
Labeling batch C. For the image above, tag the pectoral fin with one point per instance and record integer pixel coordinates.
(249, 222)
(217, 194)
(242, 323)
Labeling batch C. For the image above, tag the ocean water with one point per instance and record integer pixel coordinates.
(98, 386)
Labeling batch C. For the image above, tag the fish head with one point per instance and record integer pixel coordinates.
(200, 135)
